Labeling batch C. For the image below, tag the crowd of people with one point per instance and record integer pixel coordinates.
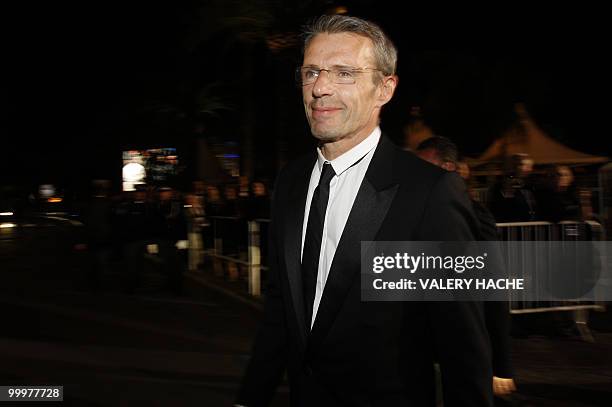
(520, 194)
(127, 224)
(161, 226)
(552, 195)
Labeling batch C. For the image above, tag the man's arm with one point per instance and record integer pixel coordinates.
(497, 313)
(269, 353)
(460, 334)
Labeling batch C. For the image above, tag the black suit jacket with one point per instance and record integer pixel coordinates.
(369, 353)
(497, 313)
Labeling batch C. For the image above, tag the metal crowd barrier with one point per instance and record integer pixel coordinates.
(238, 250)
(517, 264)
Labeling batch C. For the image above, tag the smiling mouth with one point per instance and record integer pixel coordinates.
(326, 111)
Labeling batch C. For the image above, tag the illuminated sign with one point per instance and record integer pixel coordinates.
(151, 166)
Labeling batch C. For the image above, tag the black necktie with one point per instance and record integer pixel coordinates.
(312, 241)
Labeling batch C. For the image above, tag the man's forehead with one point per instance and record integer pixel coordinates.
(339, 49)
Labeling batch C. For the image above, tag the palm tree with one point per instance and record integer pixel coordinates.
(257, 35)
(231, 43)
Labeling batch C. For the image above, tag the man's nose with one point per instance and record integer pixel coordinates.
(323, 85)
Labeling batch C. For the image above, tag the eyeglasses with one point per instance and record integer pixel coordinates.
(307, 75)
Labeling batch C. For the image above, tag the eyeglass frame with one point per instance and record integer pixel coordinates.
(333, 72)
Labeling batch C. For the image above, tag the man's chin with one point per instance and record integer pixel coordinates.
(323, 136)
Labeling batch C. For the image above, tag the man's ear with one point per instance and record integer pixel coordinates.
(387, 89)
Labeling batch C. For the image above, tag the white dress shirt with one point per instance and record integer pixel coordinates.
(350, 169)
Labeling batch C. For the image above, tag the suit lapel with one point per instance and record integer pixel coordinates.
(369, 211)
(294, 213)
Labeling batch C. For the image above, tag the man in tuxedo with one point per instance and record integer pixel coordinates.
(358, 186)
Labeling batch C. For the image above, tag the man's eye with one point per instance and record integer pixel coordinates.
(311, 73)
(345, 74)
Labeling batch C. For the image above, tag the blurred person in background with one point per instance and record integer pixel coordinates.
(196, 223)
(99, 222)
(463, 169)
(586, 205)
(444, 153)
(512, 198)
(559, 199)
(231, 205)
(173, 239)
(213, 201)
(358, 186)
(259, 202)
(243, 187)
(234, 242)
(141, 225)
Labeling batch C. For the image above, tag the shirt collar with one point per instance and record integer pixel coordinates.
(348, 159)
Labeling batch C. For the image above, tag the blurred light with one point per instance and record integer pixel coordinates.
(7, 225)
(54, 200)
(231, 156)
(46, 190)
(152, 248)
(6, 213)
(133, 174)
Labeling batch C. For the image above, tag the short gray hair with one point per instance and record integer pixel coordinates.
(385, 53)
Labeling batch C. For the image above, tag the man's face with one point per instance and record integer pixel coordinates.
(258, 189)
(526, 167)
(337, 111)
(564, 177)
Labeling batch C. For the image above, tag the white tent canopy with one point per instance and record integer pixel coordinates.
(528, 138)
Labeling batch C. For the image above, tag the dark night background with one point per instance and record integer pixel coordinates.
(88, 80)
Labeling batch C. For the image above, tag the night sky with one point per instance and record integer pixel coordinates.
(89, 80)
